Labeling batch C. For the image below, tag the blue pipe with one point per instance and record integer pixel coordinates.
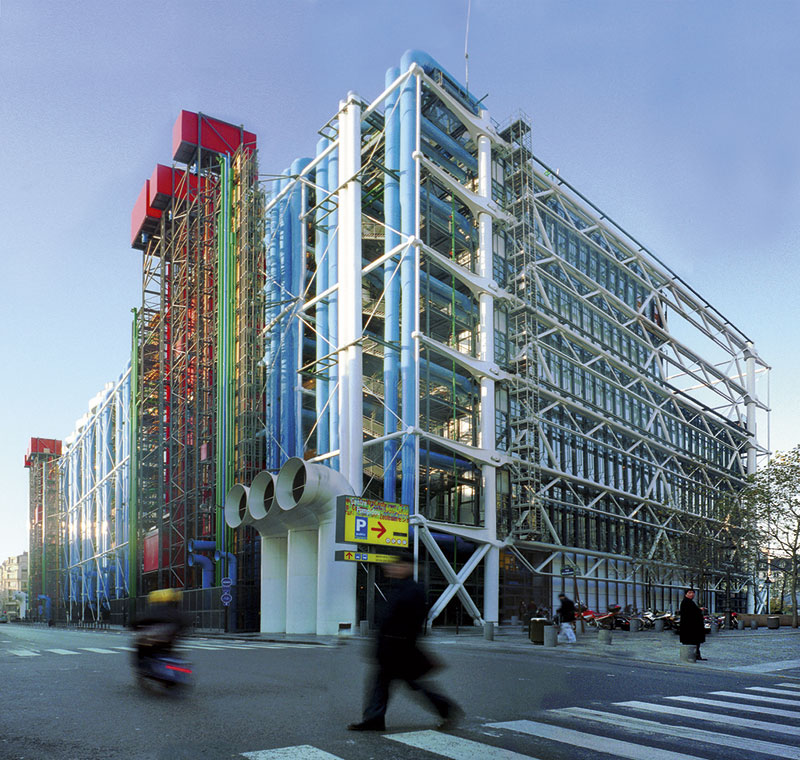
(391, 283)
(333, 305)
(444, 376)
(297, 268)
(232, 568)
(449, 145)
(321, 259)
(205, 565)
(451, 84)
(408, 370)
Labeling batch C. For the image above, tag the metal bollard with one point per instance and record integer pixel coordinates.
(488, 631)
(604, 635)
(550, 636)
(688, 653)
(658, 626)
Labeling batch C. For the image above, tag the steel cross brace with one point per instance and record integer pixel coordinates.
(455, 580)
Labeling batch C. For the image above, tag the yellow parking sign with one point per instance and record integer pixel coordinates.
(367, 521)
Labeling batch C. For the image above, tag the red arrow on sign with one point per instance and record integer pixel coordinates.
(348, 555)
(380, 530)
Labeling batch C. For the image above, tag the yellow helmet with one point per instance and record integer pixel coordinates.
(164, 595)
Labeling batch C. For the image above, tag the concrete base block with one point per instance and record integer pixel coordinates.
(636, 625)
(488, 631)
(658, 626)
(550, 636)
(740, 624)
(688, 653)
(754, 625)
(363, 627)
(604, 636)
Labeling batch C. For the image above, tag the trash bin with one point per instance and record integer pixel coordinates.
(536, 629)
(773, 621)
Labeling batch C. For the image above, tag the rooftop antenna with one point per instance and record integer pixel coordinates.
(466, 45)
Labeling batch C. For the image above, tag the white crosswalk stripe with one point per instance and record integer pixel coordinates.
(733, 720)
(767, 690)
(595, 742)
(761, 709)
(62, 651)
(651, 727)
(300, 752)
(454, 747)
(789, 685)
(23, 653)
(757, 698)
(98, 650)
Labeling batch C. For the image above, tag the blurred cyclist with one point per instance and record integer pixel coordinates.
(161, 626)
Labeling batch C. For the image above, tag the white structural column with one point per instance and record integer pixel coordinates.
(301, 581)
(274, 585)
(750, 406)
(351, 422)
(491, 564)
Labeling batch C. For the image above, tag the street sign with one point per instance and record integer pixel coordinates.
(226, 583)
(354, 556)
(226, 598)
(567, 571)
(366, 521)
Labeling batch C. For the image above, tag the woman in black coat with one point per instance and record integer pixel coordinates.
(693, 629)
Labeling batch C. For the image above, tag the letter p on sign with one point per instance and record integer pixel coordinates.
(361, 527)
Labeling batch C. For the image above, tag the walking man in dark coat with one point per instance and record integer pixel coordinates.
(397, 654)
(692, 623)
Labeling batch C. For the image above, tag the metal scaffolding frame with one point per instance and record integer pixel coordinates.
(45, 529)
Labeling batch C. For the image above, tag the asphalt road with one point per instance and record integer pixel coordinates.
(71, 695)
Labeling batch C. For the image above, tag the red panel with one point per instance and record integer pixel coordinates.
(150, 552)
(43, 446)
(213, 135)
(167, 182)
(144, 217)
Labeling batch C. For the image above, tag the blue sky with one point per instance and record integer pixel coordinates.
(677, 118)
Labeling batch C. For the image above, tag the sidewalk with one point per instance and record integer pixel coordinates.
(763, 651)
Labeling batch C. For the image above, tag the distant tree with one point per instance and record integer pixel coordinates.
(774, 496)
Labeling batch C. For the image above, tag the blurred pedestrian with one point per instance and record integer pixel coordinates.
(566, 616)
(397, 655)
(692, 623)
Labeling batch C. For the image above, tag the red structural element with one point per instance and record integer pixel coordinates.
(166, 182)
(212, 135)
(144, 218)
(43, 446)
(150, 553)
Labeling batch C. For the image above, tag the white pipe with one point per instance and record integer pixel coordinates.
(350, 312)
(307, 493)
(491, 564)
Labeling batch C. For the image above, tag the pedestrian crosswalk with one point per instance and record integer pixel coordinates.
(188, 645)
(660, 729)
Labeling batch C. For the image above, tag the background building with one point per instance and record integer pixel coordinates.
(14, 586)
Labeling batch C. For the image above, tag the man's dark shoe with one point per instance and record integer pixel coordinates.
(701, 658)
(454, 716)
(368, 725)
